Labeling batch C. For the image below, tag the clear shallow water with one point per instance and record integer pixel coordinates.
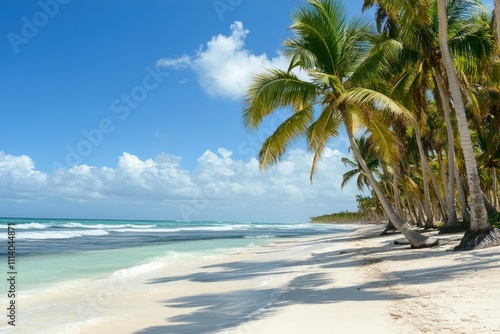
(55, 250)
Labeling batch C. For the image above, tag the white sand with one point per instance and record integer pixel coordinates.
(337, 284)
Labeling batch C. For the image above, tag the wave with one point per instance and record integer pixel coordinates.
(57, 235)
(36, 226)
(28, 226)
(137, 270)
(101, 226)
(185, 229)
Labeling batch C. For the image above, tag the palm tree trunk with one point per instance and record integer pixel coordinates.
(395, 190)
(444, 178)
(489, 207)
(420, 213)
(490, 198)
(496, 10)
(445, 101)
(495, 190)
(411, 212)
(462, 197)
(475, 237)
(429, 219)
(442, 206)
(389, 227)
(416, 239)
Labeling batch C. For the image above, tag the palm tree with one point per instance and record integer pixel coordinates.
(418, 39)
(487, 141)
(467, 44)
(333, 51)
(481, 234)
(367, 149)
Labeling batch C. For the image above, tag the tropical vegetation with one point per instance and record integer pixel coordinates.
(345, 217)
(418, 98)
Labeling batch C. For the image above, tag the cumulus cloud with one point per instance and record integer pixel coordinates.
(224, 67)
(220, 186)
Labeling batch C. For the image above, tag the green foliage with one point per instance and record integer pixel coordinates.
(384, 85)
(369, 210)
(340, 217)
(495, 220)
(440, 224)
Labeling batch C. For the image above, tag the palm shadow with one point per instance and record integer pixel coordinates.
(219, 311)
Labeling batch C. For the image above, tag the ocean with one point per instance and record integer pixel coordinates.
(54, 253)
(55, 250)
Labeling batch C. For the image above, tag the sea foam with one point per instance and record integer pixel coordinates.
(56, 235)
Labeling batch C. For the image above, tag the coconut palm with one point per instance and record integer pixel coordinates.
(487, 140)
(334, 52)
(367, 150)
(479, 227)
(467, 45)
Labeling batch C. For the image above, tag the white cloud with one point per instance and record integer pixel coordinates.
(175, 63)
(220, 187)
(224, 67)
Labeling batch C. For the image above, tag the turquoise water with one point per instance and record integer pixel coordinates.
(45, 270)
(73, 272)
(49, 251)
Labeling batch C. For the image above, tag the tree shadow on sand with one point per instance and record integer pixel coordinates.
(219, 311)
(216, 312)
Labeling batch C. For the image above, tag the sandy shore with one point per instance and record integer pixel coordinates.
(347, 283)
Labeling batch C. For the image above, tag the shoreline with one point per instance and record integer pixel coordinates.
(350, 282)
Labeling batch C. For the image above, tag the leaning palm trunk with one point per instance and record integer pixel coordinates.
(452, 221)
(444, 211)
(462, 197)
(495, 190)
(489, 207)
(429, 219)
(420, 212)
(444, 179)
(497, 18)
(395, 189)
(412, 212)
(480, 234)
(415, 239)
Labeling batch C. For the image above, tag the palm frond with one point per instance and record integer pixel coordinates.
(348, 162)
(320, 132)
(384, 140)
(286, 134)
(348, 176)
(376, 100)
(273, 90)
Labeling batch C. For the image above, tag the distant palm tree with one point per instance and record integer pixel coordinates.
(367, 150)
(334, 52)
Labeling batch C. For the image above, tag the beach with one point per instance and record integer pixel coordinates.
(350, 282)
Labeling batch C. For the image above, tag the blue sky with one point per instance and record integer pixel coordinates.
(131, 109)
